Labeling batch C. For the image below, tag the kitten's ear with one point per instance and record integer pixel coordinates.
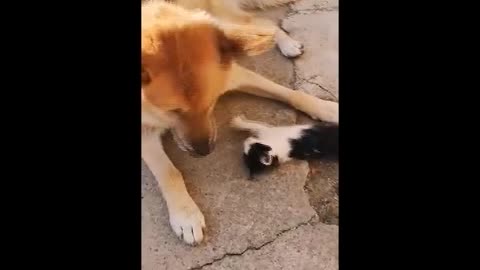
(266, 159)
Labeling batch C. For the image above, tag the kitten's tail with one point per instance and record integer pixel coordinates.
(241, 123)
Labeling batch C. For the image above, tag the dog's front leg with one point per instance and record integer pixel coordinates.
(250, 82)
(186, 218)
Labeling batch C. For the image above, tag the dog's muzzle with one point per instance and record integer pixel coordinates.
(202, 148)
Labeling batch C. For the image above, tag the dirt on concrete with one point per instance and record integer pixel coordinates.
(322, 189)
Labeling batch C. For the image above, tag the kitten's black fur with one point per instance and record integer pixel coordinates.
(320, 141)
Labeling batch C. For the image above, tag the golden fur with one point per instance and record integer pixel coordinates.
(188, 62)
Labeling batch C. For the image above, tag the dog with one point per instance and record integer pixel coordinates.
(188, 61)
(269, 146)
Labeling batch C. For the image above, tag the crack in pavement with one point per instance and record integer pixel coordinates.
(278, 235)
(298, 81)
(325, 203)
(294, 84)
(309, 11)
(334, 97)
(305, 189)
(320, 216)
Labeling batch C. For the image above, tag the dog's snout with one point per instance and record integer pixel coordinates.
(202, 148)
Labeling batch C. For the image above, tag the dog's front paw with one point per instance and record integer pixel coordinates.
(187, 222)
(290, 47)
(316, 108)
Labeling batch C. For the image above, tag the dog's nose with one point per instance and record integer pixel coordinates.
(202, 148)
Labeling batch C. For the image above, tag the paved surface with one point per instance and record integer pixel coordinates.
(286, 220)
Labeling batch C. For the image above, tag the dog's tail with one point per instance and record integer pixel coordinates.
(263, 4)
(241, 123)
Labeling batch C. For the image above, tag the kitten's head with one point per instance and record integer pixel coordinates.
(258, 157)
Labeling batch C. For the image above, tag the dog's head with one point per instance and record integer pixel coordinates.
(186, 59)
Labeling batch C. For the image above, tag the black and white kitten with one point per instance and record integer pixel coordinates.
(270, 146)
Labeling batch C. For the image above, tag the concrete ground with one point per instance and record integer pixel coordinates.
(288, 219)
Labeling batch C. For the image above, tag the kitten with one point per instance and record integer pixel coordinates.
(270, 146)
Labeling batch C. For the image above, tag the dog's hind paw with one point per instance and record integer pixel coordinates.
(187, 222)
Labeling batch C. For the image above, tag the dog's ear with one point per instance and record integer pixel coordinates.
(246, 39)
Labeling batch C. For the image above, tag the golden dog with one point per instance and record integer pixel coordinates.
(188, 62)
